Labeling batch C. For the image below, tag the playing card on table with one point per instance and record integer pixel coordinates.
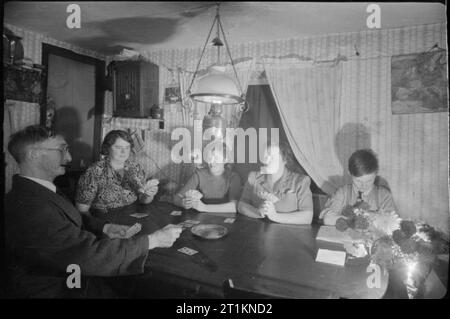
(139, 215)
(187, 251)
(229, 220)
(176, 213)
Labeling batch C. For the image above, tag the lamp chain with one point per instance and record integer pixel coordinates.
(229, 54)
(217, 42)
(201, 56)
(218, 31)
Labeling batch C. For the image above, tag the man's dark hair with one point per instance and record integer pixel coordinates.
(112, 137)
(30, 135)
(363, 162)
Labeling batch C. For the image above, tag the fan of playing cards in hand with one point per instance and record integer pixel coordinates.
(268, 196)
(267, 208)
(191, 198)
(193, 194)
(150, 188)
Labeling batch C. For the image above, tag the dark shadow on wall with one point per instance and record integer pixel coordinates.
(68, 124)
(351, 137)
(129, 31)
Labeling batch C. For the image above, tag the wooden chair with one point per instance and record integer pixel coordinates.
(319, 201)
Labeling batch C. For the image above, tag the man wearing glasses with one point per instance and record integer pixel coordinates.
(45, 233)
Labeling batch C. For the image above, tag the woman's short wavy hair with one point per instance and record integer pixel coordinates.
(112, 137)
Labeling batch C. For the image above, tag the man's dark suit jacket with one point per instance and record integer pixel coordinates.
(45, 233)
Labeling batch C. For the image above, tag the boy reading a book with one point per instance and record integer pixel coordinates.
(363, 192)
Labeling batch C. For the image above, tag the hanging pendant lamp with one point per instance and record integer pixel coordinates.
(216, 87)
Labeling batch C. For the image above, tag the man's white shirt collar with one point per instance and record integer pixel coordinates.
(43, 182)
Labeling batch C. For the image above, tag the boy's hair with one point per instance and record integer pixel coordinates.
(30, 135)
(112, 137)
(363, 162)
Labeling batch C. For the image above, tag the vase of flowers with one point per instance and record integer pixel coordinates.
(408, 247)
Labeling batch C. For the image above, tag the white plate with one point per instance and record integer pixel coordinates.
(209, 231)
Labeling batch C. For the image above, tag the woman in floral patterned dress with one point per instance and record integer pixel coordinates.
(114, 181)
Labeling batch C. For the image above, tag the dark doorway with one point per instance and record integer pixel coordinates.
(73, 82)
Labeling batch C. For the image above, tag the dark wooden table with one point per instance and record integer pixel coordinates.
(258, 255)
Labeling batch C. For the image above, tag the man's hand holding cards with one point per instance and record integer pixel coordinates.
(164, 237)
(115, 231)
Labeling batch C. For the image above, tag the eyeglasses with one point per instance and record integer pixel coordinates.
(121, 148)
(64, 150)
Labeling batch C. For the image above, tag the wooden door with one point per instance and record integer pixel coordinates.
(74, 81)
(71, 84)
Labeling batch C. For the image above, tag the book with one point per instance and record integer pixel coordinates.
(331, 234)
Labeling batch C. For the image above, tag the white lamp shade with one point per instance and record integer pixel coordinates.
(217, 88)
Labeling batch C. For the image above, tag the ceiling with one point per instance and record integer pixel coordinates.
(107, 27)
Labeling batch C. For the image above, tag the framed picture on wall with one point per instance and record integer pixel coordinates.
(172, 95)
(419, 82)
(22, 84)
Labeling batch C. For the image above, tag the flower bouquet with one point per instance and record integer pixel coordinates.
(406, 246)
